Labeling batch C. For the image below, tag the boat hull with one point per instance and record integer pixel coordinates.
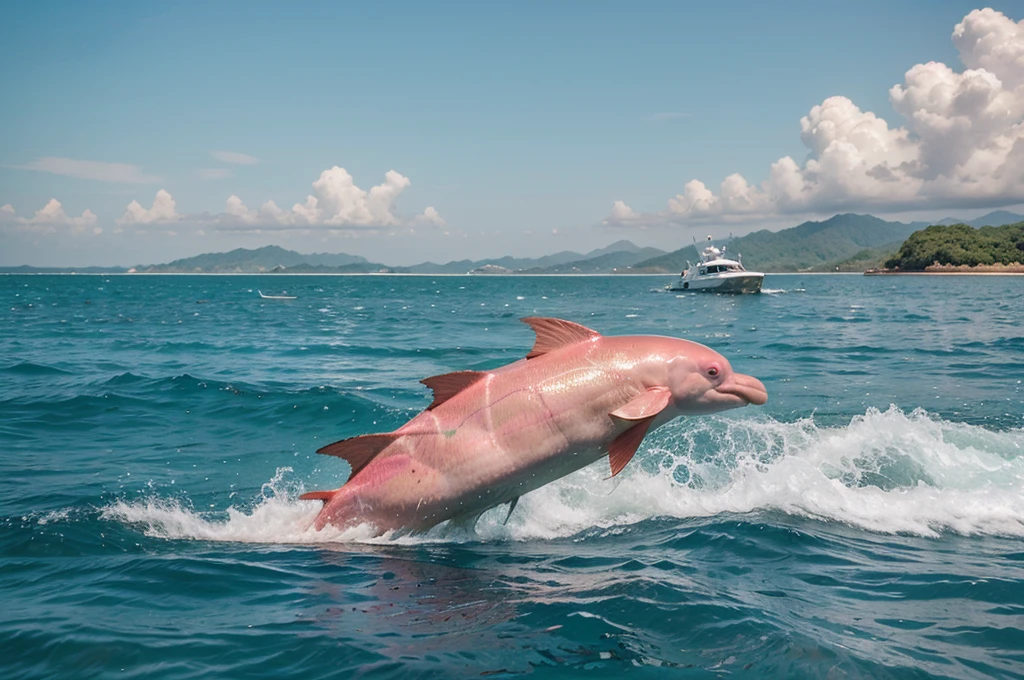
(745, 283)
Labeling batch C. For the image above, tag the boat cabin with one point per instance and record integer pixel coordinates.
(715, 268)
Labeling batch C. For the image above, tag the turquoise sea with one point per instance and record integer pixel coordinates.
(156, 431)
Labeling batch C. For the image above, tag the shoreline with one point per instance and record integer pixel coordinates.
(405, 274)
(950, 272)
(953, 272)
(996, 269)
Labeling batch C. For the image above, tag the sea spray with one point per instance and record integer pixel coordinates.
(885, 471)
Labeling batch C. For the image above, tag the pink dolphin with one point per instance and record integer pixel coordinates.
(489, 437)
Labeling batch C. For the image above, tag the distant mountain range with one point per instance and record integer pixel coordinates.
(992, 219)
(273, 259)
(811, 246)
(266, 259)
(847, 242)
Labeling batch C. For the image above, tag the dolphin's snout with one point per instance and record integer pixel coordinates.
(746, 387)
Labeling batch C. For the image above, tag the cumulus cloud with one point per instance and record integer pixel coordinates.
(962, 144)
(49, 219)
(430, 216)
(99, 171)
(622, 212)
(336, 202)
(163, 210)
(235, 158)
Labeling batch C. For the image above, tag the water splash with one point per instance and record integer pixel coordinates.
(276, 516)
(782, 291)
(888, 472)
(885, 471)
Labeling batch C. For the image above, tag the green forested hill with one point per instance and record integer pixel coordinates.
(811, 246)
(960, 244)
(819, 245)
(673, 262)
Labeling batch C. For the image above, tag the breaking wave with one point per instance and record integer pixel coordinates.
(885, 471)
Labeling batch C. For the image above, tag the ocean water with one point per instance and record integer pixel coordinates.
(156, 431)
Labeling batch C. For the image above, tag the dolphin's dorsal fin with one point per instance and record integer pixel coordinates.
(554, 334)
(448, 385)
(624, 447)
(359, 451)
(650, 403)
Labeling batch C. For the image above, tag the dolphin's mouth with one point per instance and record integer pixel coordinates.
(746, 387)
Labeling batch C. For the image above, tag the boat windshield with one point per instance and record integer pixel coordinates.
(715, 268)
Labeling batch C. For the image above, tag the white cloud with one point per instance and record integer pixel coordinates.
(163, 210)
(430, 216)
(236, 211)
(962, 144)
(49, 219)
(988, 40)
(336, 202)
(621, 213)
(235, 157)
(99, 171)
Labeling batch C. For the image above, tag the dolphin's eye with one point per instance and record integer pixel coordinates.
(713, 371)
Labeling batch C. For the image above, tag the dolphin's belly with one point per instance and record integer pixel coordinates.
(471, 495)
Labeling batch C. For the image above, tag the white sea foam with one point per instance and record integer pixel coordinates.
(782, 291)
(885, 471)
(276, 517)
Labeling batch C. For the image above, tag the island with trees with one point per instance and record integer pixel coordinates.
(959, 248)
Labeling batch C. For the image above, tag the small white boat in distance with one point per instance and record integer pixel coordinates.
(716, 273)
(275, 297)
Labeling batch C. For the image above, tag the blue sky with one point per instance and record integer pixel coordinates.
(508, 128)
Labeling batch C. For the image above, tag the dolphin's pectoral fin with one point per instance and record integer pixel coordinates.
(511, 507)
(359, 451)
(324, 496)
(650, 403)
(554, 334)
(448, 385)
(641, 412)
(624, 447)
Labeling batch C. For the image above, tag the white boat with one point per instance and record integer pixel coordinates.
(275, 297)
(716, 273)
